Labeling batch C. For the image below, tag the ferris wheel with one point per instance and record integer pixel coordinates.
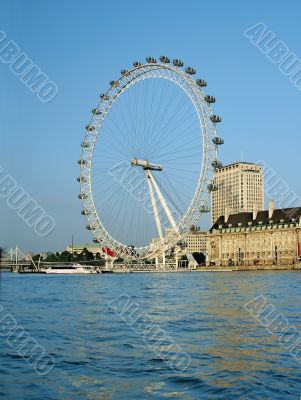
(148, 159)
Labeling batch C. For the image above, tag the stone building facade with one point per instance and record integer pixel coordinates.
(196, 242)
(270, 237)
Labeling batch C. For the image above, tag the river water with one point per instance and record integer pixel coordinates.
(99, 355)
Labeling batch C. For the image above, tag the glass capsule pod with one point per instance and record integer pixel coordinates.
(212, 187)
(190, 71)
(96, 111)
(104, 97)
(178, 63)
(151, 60)
(85, 212)
(216, 164)
(218, 141)
(114, 83)
(205, 209)
(210, 99)
(82, 162)
(201, 82)
(164, 59)
(216, 119)
(90, 128)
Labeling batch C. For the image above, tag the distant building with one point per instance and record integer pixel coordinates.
(270, 237)
(78, 248)
(196, 242)
(240, 188)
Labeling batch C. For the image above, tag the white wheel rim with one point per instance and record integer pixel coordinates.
(201, 196)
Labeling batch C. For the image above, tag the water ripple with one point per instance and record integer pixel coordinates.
(99, 356)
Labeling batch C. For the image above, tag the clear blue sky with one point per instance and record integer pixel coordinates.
(82, 45)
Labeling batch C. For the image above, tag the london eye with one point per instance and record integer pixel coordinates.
(148, 159)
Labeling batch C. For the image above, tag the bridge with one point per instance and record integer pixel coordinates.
(15, 261)
(13, 266)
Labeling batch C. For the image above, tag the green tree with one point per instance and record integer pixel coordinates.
(86, 255)
(65, 256)
(52, 258)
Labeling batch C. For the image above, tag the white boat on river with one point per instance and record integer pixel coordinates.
(72, 269)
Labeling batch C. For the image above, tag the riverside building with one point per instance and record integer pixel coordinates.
(196, 242)
(240, 186)
(78, 248)
(270, 237)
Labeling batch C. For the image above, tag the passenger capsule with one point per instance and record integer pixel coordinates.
(82, 162)
(85, 212)
(218, 141)
(96, 111)
(89, 227)
(82, 196)
(125, 72)
(137, 64)
(190, 71)
(84, 144)
(216, 119)
(151, 60)
(90, 128)
(81, 179)
(178, 63)
(205, 209)
(114, 83)
(201, 82)
(104, 97)
(164, 59)
(96, 240)
(210, 99)
(216, 164)
(212, 187)
(181, 243)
